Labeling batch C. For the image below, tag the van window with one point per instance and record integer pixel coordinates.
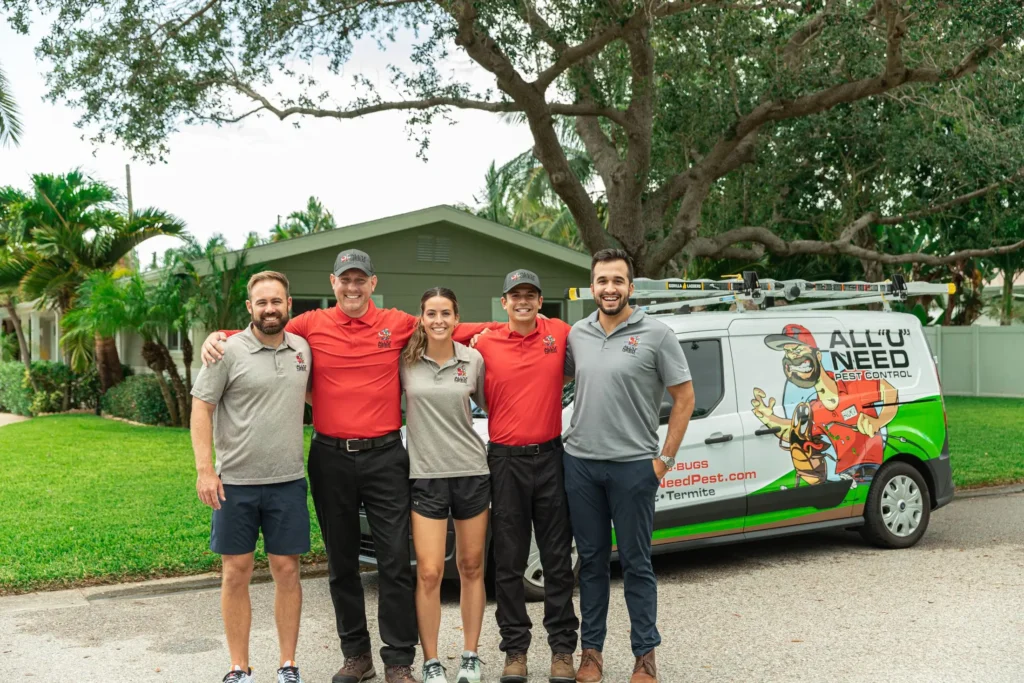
(704, 356)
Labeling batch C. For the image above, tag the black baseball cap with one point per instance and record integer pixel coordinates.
(520, 277)
(353, 258)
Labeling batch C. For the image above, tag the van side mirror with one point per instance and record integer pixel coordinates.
(664, 412)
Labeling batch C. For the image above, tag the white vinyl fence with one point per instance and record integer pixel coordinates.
(979, 361)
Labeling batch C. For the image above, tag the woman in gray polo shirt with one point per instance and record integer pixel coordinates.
(448, 469)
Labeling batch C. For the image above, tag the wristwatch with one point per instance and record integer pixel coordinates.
(669, 462)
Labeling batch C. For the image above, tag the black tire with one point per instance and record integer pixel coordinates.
(904, 484)
(535, 593)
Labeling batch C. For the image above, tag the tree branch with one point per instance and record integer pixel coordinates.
(582, 109)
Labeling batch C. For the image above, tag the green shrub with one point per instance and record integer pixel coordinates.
(14, 397)
(138, 399)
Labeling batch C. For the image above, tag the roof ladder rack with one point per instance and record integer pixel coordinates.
(764, 293)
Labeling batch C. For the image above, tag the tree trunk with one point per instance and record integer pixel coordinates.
(155, 359)
(1006, 310)
(108, 363)
(187, 356)
(19, 330)
(179, 387)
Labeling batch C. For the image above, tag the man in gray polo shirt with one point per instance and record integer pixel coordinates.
(251, 407)
(623, 361)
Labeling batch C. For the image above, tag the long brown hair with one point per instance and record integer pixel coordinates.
(417, 345)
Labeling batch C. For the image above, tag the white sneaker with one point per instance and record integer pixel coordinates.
(433, 672)
(469, 672)
(289, 673)
(236, 675)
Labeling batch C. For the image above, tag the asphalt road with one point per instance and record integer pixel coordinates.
(822, 607)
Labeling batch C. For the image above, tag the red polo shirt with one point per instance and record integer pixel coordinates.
(523, 381)
(840, 425)
(356, 389)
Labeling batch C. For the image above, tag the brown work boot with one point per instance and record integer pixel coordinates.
(591, 667)
(398, 674)
(355, 669)
(515, 668)
(645, 670)
(562, 670)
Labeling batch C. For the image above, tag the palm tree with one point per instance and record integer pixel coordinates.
(107, 304)
(10, 256)
(72, 226)
(314, 218)
(10, 123)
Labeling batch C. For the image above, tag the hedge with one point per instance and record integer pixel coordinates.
(51, 379)
(15, 397)
(138, 399)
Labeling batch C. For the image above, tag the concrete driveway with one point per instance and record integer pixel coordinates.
(814, 608)
(8, 419)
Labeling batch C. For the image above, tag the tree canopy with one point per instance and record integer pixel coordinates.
(714, 126)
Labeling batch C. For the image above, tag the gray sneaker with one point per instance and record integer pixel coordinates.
(433, 672)
(288, 674)
(469, 672)
(236, 675)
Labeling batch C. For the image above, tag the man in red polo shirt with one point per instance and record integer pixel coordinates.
(524, 361)
(357, 457)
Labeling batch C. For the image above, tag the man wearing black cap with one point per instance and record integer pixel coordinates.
(357, 457)
(524, 361)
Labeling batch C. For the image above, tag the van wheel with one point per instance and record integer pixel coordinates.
(898, 507)
(533, 578)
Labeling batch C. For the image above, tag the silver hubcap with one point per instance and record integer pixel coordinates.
(534, 571)
(902, 506)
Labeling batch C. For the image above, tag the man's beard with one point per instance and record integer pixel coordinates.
(788, 366)
(623, 302)
(272, 326)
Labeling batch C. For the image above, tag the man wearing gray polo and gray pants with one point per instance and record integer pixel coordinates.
(623, 361)
(251, 406)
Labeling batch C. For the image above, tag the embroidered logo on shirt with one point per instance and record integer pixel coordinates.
(300, 362)
(549, 345)
(631, 345)
(384, 339)
(460, 375)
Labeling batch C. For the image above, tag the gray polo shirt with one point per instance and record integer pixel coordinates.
(260, 394)
(620, 380)
(439, 423)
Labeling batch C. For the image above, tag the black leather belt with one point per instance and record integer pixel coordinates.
(355, 445)
(530, 449)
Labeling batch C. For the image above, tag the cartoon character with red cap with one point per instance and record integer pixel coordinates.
(851, 414)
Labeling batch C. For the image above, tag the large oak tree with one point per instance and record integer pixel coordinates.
(858, 115)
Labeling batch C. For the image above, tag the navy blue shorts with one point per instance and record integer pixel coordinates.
(279, 509)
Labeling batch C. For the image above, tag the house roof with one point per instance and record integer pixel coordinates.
(405, 221)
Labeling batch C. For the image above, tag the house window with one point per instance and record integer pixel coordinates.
(174, 340)
(433, 249)
(301, 305)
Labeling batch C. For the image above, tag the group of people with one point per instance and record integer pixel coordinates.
(353, 363)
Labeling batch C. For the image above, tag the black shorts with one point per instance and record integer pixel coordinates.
(279, 509)
(463, 497)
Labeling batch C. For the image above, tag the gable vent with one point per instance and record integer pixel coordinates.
(433, 249)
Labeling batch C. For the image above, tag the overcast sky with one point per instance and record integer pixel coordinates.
(240, 178)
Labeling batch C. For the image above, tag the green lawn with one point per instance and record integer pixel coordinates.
(88, 500)
(986, 438)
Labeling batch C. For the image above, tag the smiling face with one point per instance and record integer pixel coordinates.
(268, 306)
(439, 318)
(353, 289)
(802, 365)
(522, 303)
(611, 286)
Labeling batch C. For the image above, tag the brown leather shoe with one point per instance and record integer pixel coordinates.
(645, 670)
(398, 674)
(515, 668)
(355, 669)
(591, 667)
(562, 670)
